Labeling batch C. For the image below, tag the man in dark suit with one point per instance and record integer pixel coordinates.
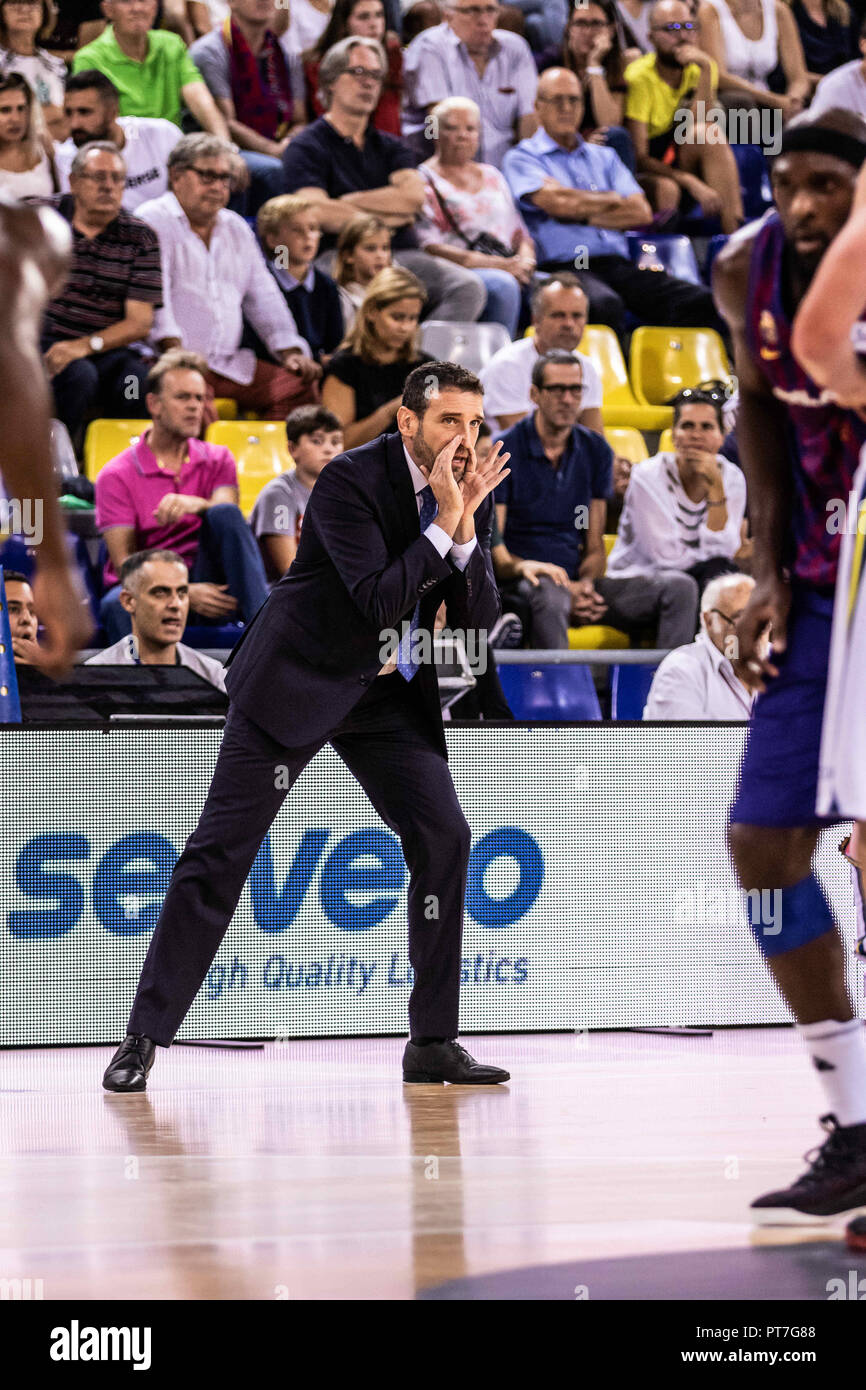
(320, 663)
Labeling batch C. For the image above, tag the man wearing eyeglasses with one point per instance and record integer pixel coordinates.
(663, 87)
(349, 167)
(699, 681)
(108, 303)
(578, 201)
(469, 56)
(214, 276)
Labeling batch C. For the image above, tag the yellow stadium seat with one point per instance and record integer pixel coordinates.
(609, 541)
(666, 441)
(595, 637)
(627, 443)
(664, 360)
(105, 439)
(226, 408)
(620, 405)
(261, 452)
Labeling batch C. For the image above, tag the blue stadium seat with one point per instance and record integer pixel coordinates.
(550, 691)
(629, 688)
(675, 254)
(201, 635)
(754, 180)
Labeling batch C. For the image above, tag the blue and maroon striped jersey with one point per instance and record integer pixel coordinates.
(824, 441)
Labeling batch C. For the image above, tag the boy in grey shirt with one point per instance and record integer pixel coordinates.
(315, 436)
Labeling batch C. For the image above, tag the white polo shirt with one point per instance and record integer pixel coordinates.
(697, 682)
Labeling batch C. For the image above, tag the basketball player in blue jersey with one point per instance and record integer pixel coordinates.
(800, 451)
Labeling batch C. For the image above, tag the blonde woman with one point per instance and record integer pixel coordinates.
(748, 39)
(363, 249)
(365, 378)
(827, 33)
(26, 171)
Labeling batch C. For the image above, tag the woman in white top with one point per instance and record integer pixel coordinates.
(748, 39)
(22, 22)
(25, 169)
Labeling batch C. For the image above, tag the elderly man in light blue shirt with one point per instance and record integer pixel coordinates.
(578, 201)
(468, 56)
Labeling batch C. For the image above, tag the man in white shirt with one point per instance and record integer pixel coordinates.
(559, 310)
(845, 86)
(214, 276)
(699, 681)
(155, 593)
(91, 105)
(685, 510)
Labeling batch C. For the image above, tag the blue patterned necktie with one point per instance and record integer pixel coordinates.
(407, 663)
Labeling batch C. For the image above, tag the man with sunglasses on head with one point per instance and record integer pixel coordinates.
(668, 91)
(214, 276)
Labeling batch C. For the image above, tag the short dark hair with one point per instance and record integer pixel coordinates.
(693, 395)
(557, 357)
(566, 278)
(133, 563)
(92, 78)
(309, 418)
(431, 378)
(16, 576)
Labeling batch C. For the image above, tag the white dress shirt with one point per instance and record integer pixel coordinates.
(207, 290)
(436, 536)
(697, 682)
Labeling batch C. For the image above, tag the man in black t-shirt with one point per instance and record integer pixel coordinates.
(349, 166)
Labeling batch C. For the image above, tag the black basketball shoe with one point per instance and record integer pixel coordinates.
(834, 1183)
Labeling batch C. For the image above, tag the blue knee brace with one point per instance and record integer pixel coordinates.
(784, 918)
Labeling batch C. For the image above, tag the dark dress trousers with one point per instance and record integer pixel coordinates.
(304, 674)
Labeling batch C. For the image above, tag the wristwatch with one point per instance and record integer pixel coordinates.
(96, 344)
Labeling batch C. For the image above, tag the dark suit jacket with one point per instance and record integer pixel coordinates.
(362, 565)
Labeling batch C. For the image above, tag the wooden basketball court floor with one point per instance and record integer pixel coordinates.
(308, 1170)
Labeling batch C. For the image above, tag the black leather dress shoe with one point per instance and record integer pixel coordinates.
(128, 1068)
(448, 1061)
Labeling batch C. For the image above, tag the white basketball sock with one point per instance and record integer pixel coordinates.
(838, 1052)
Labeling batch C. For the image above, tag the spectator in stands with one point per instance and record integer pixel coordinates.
(469, 215)
(154, 592)
(667, 87)
(150, 68)
(828, 33)
(91, 105)
(559, 310)
(556, 495)
(367, 19)
(578, 201)
(289, 229)
(364, 380)
(468, 56)
(363, 249)
(214, 276)
(634, 19)
(307, 20)
(544, 21)
(592, 47)
(622, 468)
(107, 305)
(684, 510)
(746, 60)
(22, 22)
(552, 505)
(25, 168)
(351, 168)
(315, 436)
(700, 681)
(23, 622)
(846, 87)
(257, 87)
(171, 490)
